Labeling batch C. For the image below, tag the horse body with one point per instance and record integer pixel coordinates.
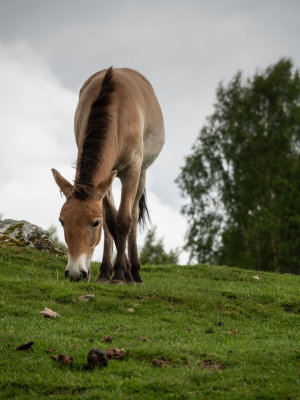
(119, 131)
(136, 129)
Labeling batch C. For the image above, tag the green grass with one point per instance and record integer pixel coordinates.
(255, 351)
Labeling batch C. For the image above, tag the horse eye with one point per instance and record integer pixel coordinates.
(61, 221)
(96, 223)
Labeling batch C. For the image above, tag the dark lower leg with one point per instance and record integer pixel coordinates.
(123, 222)
(111, 214)
(106, 267)
(132, 245)
(133, 254)
(121, 270)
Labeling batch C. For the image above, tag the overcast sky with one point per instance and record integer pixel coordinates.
(185, 48)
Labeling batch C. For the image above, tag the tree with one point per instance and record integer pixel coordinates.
(242, 179)
(153, 251)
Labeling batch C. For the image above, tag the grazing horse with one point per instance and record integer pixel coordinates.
(119, 132)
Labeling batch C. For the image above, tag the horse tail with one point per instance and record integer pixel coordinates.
(143, 210)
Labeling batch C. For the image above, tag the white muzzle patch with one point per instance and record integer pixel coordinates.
(78, 269)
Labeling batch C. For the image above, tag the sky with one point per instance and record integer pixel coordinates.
(185, 48)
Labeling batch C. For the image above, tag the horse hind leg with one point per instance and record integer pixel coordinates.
(132, 243)
(106, 267)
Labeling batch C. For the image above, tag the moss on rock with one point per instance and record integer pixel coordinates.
(25, 234)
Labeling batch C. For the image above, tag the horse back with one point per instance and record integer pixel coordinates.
(135, 111)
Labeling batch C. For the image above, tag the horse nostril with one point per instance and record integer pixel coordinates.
(66, 274)
(84, 275)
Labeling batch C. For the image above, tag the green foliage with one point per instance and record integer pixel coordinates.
(242, 178)
(153, 251)
(226, 335)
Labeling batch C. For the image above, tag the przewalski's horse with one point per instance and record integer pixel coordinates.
(119, 131)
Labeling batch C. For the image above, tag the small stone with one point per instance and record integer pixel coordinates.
(48, 313)
(86, 298)
(256, 277)
(130, 309)
(97, 358)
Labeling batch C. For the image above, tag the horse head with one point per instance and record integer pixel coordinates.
(81, 218)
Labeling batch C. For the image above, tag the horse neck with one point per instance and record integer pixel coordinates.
(106, 157)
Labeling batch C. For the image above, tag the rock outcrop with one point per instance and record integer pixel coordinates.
(25, 234)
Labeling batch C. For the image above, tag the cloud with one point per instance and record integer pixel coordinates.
(36, 134)
(171, 225)
(36, 115)
(183, 48)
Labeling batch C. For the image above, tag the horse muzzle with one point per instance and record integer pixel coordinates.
(79, 269)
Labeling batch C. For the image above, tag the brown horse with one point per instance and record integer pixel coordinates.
(119, 131)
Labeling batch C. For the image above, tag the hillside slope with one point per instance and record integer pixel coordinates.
(216, 332)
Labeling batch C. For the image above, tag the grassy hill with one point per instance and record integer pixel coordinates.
(219, 332)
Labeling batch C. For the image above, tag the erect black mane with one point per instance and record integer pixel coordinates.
(96, 131)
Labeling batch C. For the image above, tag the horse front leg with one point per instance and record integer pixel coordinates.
(123, 223)
(110, 224)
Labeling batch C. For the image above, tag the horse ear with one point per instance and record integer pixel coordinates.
(103, 186)
(65, 186)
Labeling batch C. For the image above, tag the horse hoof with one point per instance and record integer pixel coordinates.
(102, 280)
(117, 282)
(131, 283)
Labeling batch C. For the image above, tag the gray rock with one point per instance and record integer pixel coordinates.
(25, 234)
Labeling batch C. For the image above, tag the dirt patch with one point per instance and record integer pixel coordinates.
(25, 347)
(213, 365)
(291, 307)
(234, 332)
(106, 339)
(51, 350)
(142, 339)
(160, 362)
(115, 354)
(63, 359)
